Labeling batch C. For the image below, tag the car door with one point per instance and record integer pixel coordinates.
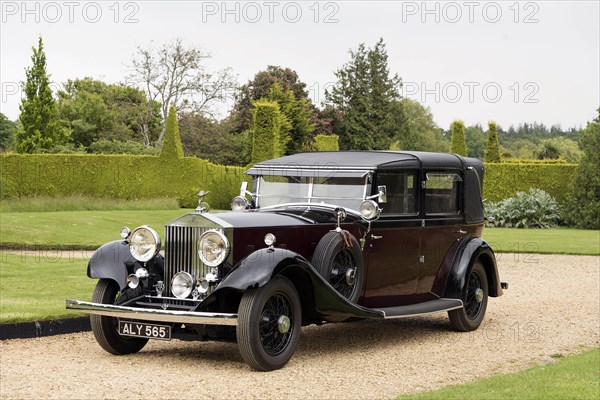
(442, 211)
(393, 245)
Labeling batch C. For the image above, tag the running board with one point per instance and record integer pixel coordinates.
(421, 308)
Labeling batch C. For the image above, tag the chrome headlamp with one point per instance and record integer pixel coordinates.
(182, 285)
(369, 210)
(144, 243)
(213, 248)
(239, 203)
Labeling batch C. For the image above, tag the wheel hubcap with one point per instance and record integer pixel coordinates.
(275, 327)
(350, 276)
(343, 272)
(479, 295)
(283, 324)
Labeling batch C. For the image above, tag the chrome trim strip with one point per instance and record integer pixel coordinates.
(312, 205)
(214, 218)
(146, 314)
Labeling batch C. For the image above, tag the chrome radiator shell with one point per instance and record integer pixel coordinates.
(181, 247)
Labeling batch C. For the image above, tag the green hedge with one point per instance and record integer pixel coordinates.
(532, 161)
(504, 180)
(327, 143)
(118, 176)
(141, 177)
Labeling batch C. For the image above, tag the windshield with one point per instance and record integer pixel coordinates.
(346, 192)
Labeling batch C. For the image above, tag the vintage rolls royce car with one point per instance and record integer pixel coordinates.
(320, 237)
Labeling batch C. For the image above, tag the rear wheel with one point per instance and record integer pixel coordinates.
(469, 317)
(106, 328)
(269, 320)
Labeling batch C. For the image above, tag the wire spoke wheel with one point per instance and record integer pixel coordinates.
(470, 316)
(472, 305)
(269, 320)
(340, 265)
(342, 273)
(277, 308)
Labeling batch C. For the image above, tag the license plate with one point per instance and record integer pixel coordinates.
(150, 331)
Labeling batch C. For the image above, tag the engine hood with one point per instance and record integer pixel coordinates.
(260, 218)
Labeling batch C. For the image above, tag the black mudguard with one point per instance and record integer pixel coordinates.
(114, 261)
(320, 301)
(469, 251)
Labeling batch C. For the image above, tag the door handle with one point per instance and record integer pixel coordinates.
(373, 237)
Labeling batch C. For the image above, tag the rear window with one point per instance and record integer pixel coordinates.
(441, 193)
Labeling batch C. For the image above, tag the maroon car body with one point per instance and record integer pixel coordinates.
(321, 237)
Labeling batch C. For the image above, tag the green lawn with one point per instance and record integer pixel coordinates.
(573, 377)
(83, 203)
(34, 287)
(546, 241)
(90, 229)
(76, 229)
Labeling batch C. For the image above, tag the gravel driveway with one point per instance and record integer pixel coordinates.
(552, 306)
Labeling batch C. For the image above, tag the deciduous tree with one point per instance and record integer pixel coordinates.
(7, 132)
(96, 111)
(421, 131)
(174, 74)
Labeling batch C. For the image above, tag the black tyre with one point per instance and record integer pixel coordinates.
(341, 265)
(269, 321)
(469, 317)
(106, 328)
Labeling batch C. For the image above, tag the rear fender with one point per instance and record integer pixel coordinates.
(468, 253)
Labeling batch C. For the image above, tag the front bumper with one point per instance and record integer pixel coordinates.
(145, 314)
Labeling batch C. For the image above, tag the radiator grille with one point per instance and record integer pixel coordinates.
(181, 253)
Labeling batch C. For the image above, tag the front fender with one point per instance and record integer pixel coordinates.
(319, 299)
(114, 261)
(469, 251)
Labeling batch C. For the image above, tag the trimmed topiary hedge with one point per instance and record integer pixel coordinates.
(327, 143)
(504, 180)
(266, 131)
(118, 176)
(141, 177)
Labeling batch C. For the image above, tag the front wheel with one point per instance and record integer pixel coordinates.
(469, 317)
(106, 328)
(269, 320)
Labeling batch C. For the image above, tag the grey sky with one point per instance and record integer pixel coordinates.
(506, 61)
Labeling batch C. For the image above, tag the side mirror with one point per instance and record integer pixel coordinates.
(382, 196)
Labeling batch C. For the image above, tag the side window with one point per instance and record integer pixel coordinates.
(441, 193)
(401, 192)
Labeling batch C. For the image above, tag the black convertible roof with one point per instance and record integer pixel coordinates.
(362, 160)
(361, 163)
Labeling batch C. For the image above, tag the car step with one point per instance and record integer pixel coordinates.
(421, 308)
